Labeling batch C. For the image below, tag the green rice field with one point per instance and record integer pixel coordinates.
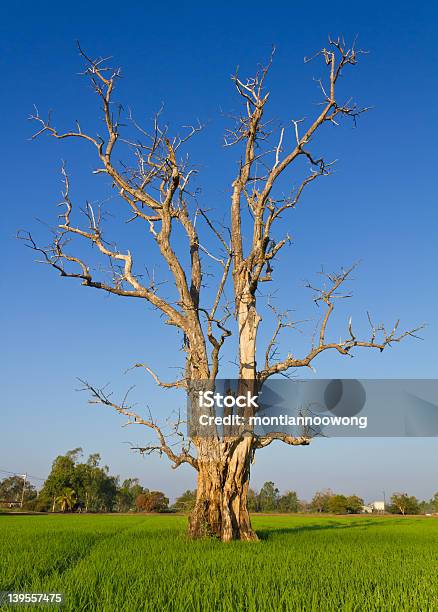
(141, 562)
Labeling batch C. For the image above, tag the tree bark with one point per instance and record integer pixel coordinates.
(223, 480)
(224, 465)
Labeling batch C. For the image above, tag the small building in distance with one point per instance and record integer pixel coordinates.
(376, 506)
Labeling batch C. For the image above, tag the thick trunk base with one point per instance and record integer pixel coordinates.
(213, 520)
(221, 504)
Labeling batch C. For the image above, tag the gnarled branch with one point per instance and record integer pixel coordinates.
(380, 338)
(100, 396)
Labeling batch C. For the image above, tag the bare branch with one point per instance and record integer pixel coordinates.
(182, 383)
(380, 338)
(266, 440)
(100, 396)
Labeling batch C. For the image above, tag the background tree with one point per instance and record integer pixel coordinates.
(98, 489)
(253, 501)
(429, 506)
(185, 502)
(95, 488)
(154, 182)
(426, 507)
(11, 490)
(354, 504)
(152, 501)
(320, 501)
(268, 497)
(434, 502)
(127, 493)
(67, 500)
(62, 476)
(337, 504)
(288, 502)
(402, 503)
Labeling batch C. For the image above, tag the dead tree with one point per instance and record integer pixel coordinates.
(154, 185)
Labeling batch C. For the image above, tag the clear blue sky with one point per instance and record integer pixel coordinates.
(379, 207)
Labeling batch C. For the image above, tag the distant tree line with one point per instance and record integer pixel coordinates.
(400, 503)
(87, 486)
(269, 499)
(82, 486)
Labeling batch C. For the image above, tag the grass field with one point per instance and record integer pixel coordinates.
(139, 562)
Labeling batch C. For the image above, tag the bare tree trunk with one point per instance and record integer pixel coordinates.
(221, 502)
(224, 465)
(248, 323)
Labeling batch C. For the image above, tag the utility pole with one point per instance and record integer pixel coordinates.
(22, 493)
